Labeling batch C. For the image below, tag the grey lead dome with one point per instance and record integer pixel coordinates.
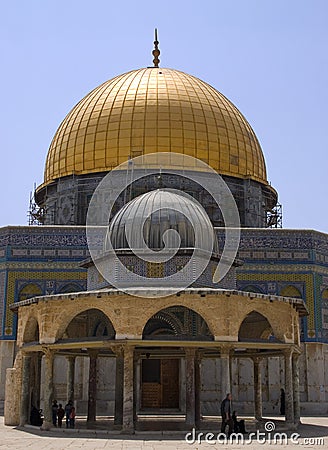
(159, 211)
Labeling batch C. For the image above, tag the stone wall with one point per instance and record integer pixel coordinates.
(223, 311)
(7, 349)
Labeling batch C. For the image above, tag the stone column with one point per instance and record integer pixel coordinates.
(289, 402)
(257, 389)
(92, 392)
(25, 391)
(137, 385)
(190, 387)
(48, 387)
(70, 377)
(198, 365)
(128, 394)
(119, 368)
(225, 370)
(38, 362)
(296, 388)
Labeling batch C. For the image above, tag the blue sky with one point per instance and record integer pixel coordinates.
(269, 57)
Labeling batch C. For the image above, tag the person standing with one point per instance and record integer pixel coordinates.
(54, 412)
(68, 408)
(72, 418)
(226, 414)
(282, 402)
(60, 415)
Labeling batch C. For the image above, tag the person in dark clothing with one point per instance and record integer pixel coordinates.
(60, 415)
(68, 408)
(35, 417)
(226, 415)
(282, 401)
(238, 425)
(54, 412)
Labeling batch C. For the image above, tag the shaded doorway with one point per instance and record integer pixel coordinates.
(160, 384)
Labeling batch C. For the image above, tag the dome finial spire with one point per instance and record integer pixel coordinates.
(156, 52)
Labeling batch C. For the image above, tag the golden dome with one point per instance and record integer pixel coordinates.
(154, 110)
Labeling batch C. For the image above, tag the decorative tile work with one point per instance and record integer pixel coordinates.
(325, 318)
(307, 279)
(304, 243)
(27, 236)
(17, 278)
(28, 290)
(291, 291)
(3, 275)
(273, 259)
(155, 270)
(318, 303)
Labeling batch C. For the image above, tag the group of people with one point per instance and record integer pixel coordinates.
(229, 418)
(58, 413)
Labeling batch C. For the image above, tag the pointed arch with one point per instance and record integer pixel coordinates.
(255, 327)
(31, 331)
(253, 288)
(29, 290)
(89, 324)
(324, 294)
(70, 287)
(177, 322)
(290, 291)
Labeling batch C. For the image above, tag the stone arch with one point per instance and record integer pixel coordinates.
(70, 287)
(87, 323)
(253, 288)
(28, 291)
(255, 327)
(31, 330)
(177, 322)
(290, 291)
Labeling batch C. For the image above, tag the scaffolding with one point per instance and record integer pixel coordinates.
(36, 213)
(274, 217)
(67, 202)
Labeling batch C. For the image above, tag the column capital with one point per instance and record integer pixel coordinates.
(288, 351)
(93, 352)
(198, 356)
(225, 350)
(190, 352)
(256, 359)
(118, 350)
(296, 356)
(128, 348)
(48, 352)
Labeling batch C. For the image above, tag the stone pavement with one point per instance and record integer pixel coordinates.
(313, 435)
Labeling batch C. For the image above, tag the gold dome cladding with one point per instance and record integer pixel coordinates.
(154, 110)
